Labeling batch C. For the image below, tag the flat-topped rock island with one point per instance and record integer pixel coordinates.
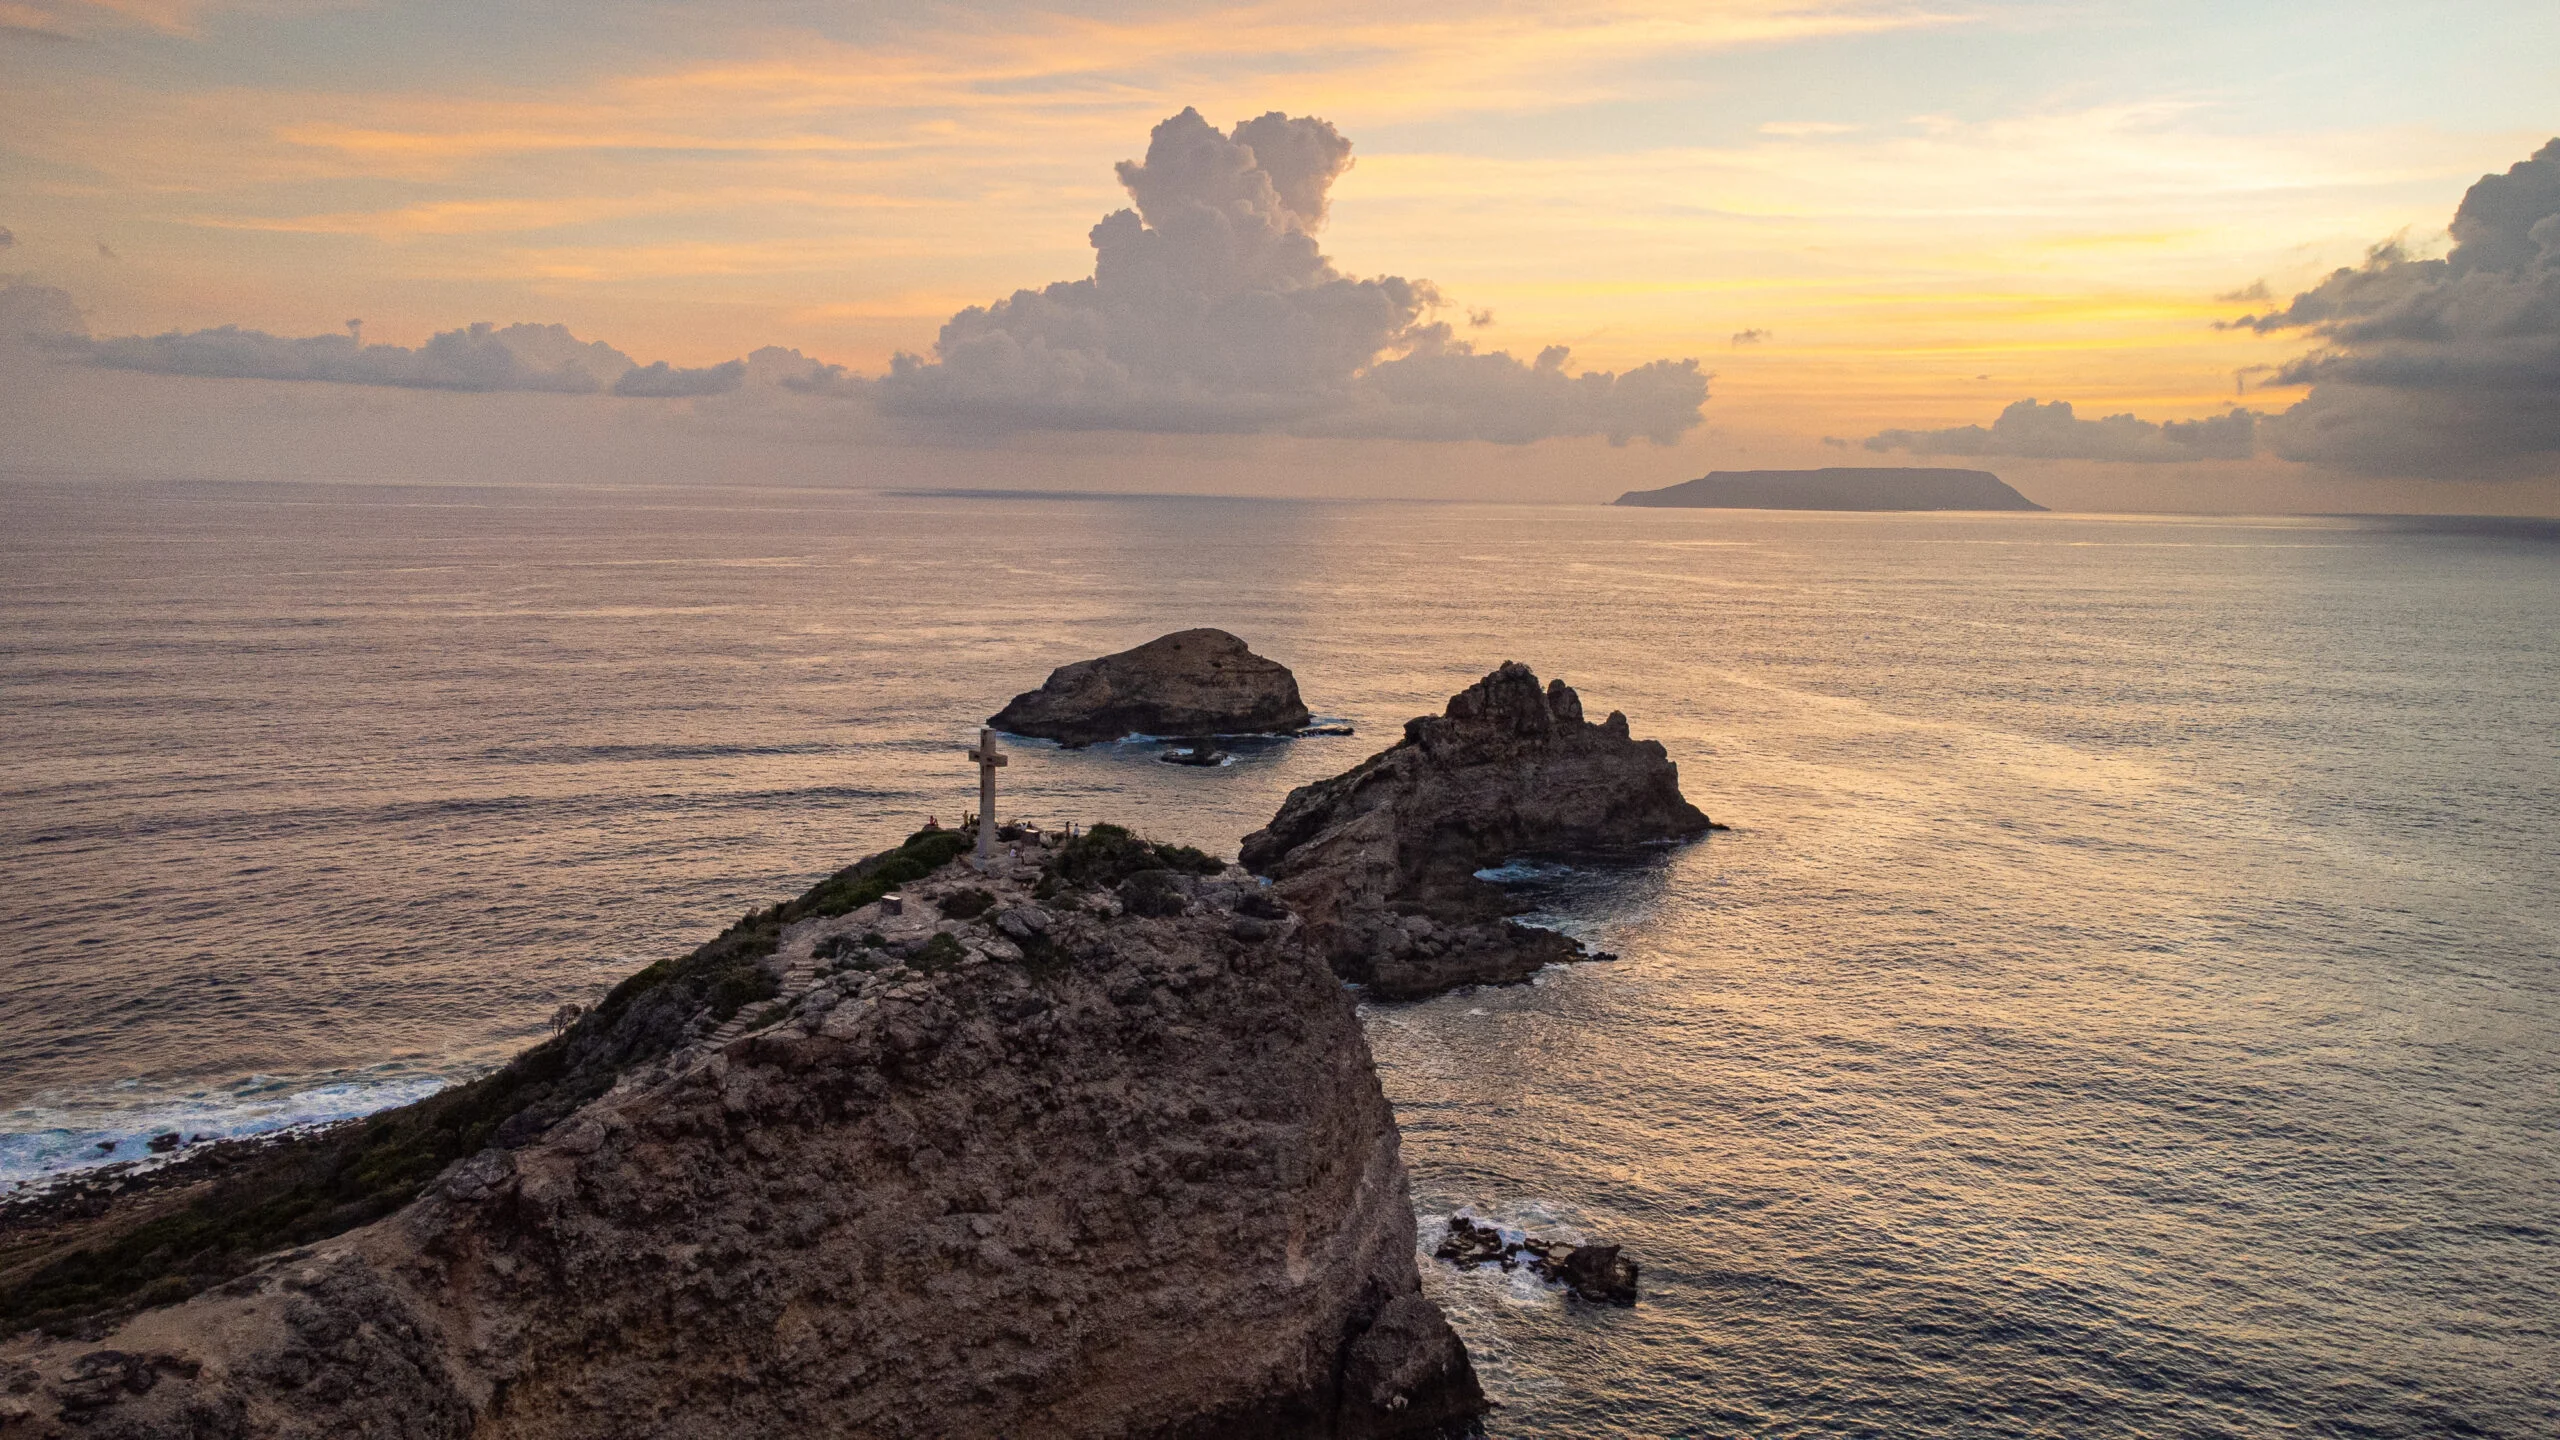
(1837, 487)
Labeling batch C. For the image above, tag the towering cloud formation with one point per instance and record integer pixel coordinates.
(1211, 309)
(2426, 369)
(2052, 432)
(2444, 367)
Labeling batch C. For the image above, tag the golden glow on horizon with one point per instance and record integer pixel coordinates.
(844, 199)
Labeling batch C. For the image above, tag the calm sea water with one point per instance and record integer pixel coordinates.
(2124, 1006)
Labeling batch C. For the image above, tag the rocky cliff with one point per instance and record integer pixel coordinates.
(1381, 860)
(1192, 682)
(1091, 1147)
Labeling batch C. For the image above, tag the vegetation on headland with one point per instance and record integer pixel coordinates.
(1105, 855)
(307, 1189)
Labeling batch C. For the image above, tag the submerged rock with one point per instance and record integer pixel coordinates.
(1192, 682)
(1023, 1160)
(1381, 860)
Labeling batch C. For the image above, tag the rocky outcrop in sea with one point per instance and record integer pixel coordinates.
(1190, 683)
(1087, 1146)
(1601, 1274)
(1381, 860)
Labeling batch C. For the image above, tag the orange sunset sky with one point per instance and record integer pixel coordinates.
(1868, 224)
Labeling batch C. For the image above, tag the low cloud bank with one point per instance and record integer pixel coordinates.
(2052, 432)
(2424, 369)
(1211, 309)
(477, 358)
(663, 381)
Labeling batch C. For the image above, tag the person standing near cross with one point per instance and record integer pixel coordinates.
(989, 758)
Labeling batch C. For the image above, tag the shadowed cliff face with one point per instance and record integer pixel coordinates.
(1192, 682)
(1086, 1162)
(1381, 860)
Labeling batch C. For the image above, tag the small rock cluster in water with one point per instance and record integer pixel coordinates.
(1597, 1273)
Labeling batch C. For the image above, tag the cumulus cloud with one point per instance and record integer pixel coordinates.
(1753, 336)
(2437, 368)
(2424, 369)
(2052, 432)
(1211, 309)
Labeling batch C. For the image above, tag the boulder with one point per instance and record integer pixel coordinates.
(1192, 682)
(1595, 1272)
(1381, 860)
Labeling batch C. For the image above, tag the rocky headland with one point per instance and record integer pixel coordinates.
(1087, 1146)
(1381, 861)
(1190, 683)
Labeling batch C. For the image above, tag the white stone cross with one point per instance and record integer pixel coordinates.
(989, 758)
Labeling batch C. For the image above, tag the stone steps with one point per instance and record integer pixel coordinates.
(799, 977)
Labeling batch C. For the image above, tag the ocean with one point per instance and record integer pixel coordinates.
(2124, 1004)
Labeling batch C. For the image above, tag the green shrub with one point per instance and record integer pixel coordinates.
(1108, 854)
(937, 955)
(1153, 892)
(967, 904)
(1189, 860)
(858, 885)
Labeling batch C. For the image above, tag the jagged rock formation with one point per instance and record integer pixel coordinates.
(1381, 860)
(1837, 487)
(1088, 1147)
(1192, 682)
(1600, 1274)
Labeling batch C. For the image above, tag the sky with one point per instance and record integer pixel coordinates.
(2134, 256)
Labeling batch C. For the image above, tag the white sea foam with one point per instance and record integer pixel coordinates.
(55, 1136)
(1516, 872)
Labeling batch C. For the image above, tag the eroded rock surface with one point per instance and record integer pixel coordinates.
(1381, 860)
(1192, 682)
(1026, 1163)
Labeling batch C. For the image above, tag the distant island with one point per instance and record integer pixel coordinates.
(1837, 487)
